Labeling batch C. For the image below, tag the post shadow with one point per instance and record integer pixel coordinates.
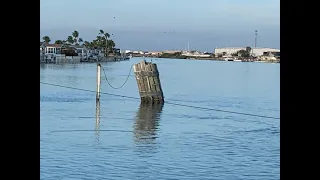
(147, 122)
(97, 125)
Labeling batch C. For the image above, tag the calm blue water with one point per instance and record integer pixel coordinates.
(171, 142)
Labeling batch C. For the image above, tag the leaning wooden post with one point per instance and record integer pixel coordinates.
(147, 77)
(98, 82)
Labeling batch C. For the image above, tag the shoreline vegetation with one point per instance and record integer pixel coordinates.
(102, 42)
(179, 55)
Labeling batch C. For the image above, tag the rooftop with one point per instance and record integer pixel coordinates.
(54, 45)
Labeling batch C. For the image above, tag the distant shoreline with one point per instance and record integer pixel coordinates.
(203, 59)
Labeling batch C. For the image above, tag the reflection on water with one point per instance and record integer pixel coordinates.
(54, 66)
(97, 127)
(147, 122)
(43, 66)
(59, 66)
(49, 74)
(212, 145)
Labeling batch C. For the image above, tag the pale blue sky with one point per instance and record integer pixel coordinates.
(140, 24)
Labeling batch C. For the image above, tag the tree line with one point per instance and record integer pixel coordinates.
(101, 42)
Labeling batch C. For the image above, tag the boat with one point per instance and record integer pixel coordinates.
(228, 59)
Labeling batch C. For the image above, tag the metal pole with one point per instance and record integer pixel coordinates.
(255, 40)
(98, 82)
(106, 46)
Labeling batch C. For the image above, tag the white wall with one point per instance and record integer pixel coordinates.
(51, 49)
(229, 50)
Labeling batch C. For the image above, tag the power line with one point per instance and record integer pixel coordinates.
(89, 130)
(172, 103)
(80, 89)
(219, 110)
(109, 82)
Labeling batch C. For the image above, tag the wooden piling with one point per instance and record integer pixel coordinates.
(147, 77)
(98, 81)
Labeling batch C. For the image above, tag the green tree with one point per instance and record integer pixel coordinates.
(70, 40)
(106, 35)
(244, 53)
(95, 44)
(110, 45)
(58, 42)
(248, 49)
(86, 44)
(75, 35)
(234, 54)
(46, 39)
(102, 39)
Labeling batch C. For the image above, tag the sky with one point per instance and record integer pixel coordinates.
(156, 25)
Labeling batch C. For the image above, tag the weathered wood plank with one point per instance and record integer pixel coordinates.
(148, 81)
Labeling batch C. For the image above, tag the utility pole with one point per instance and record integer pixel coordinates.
(106, 46)
(256, 37)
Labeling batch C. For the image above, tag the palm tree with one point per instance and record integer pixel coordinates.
(94, 44)
(101, 31)
(46, 39)
(110, 45)
(75, 34)
(104, 38)
(86, 44)
(70, 40)
(58, 42)
(105, 35)
(99, 41)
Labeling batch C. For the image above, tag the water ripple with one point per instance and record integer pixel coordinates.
(120, 139)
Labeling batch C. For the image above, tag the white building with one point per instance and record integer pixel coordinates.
(228, 50)
(53, 53)
(52, 49)
(156, 53)
(254, 51)
(262, 51)
(195, 54)
(83, 53)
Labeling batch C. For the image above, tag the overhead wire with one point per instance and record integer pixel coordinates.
(167, 102)
(105, 76)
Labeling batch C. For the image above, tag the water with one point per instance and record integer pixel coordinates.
(121, 140)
